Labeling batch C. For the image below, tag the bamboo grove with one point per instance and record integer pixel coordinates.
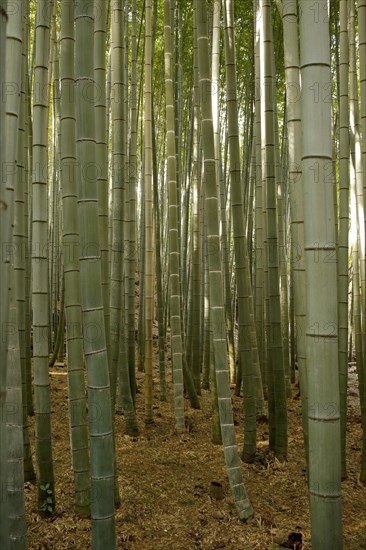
(214, 153)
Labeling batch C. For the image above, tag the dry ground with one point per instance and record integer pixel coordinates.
(165, 479)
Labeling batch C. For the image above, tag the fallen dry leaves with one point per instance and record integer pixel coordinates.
(165, 481)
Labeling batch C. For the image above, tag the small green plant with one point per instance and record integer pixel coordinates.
(47, 504)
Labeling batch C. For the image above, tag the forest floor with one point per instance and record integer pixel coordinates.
(165, 480)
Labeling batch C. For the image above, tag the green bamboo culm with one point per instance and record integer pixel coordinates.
(196, 253)
(28, 224)
(321, 282)
(362, 71)
(247, 360)
(258, 286)
(276, 377)
(20, 239)
(216, 109)
(342, 265)
(102, 152)
(217, 310)
(99, 395)
(174, 283)
(40, 286)
(72, 293)
(358, 236)
(4, 310)
(118, 332)
(148, 251)
(12, 470)
(14, 420)
(132, 201)
(293, 109)
(118, 190)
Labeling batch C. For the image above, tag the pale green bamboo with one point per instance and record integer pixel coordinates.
(4, 239)
(198, 276)
(197, 338)
(276, 379)
(5, 232)
(259, 229)
(360, 177)
(101, 151)
(342, 264)
(358, 242)
(56, 267)
(246, 350)
(60, 323)
(40, 288)
(70, 246)
(293, 109)
(14, 421)
(10, 119)
(118, 190)
(357, 316)
(99, 394)
(283, 253)
(132, 193)
(362, 76)
(119, 268)
(51, 179)
(207, 339)
(148, 249)
(141, 317)
(28, 228)
(249, 201)
(54, 226)
(174, 279)
(221, 184)
(216, 437)
(158, 262)
(321, 282)
(217, 311)
(357, 214)
(259, 391)
(20, 249)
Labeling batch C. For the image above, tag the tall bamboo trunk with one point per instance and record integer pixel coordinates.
(293, 107)
(40, 286)
(276, 379)
(99, 394)
(148, 251)
(174, 256)
(217, 311)
(321, 282)
(344, 152)
(70, 240)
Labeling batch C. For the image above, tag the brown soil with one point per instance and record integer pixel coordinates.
(165, 482)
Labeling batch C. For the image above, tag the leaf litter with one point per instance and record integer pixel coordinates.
(165, 480)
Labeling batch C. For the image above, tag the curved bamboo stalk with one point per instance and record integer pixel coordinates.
(217, 310)
(216, 117)
(246, 350)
